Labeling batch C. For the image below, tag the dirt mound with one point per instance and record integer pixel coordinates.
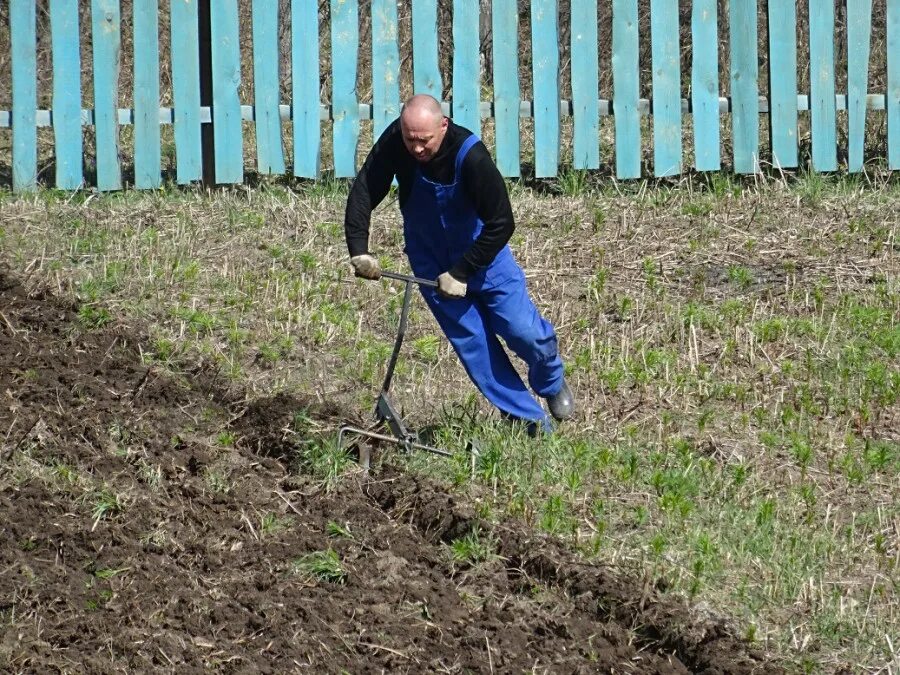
(152, 523)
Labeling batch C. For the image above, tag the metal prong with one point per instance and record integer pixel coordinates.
(391, 439)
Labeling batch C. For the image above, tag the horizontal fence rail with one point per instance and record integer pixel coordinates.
(208, 64)
(486, 110)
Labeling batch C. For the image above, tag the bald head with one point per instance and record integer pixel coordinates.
(423, 126)
(422, 107)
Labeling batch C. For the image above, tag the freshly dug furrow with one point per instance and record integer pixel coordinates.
(153, 522)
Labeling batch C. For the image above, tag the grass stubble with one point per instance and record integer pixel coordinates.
(734, 346)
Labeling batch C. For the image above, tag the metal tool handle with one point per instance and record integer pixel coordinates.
(404, 315)
(410, 279)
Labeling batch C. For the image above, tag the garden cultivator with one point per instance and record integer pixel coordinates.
(385, 410)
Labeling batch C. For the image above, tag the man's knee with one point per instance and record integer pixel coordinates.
(534, 342)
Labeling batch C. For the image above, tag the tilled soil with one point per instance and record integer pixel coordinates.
(151, 523)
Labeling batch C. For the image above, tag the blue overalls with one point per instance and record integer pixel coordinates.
(439, 225)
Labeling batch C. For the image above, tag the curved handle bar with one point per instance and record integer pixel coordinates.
(409, 279)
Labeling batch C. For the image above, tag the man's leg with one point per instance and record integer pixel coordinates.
(483, 357)
(514, 317)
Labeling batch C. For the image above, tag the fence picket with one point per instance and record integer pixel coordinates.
(893, 83)
(507, 98)
(625, 88)
(426, 74)
(186, 90)
(665, 110)
(585, 85)
(859, 29)
(23, 37)
(666, 87)
(106, 39)
(744, 86)
(345, 42)
(466, 70)
(68, 141)
(266, 88)
(545, 74)
(147, 169)
(385, 65)
(226, 71)
(305, 86)
(705, 84)
(783, 82)
(821, 85)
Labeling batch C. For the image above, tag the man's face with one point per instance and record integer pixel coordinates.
(422, 135)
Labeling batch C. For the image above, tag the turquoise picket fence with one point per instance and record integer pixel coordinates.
(679, 102)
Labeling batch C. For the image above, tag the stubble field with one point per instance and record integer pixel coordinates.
(176, 365)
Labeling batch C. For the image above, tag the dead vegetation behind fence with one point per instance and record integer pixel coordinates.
(877, 69)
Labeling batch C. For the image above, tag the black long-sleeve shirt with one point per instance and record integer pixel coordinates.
(481, 182)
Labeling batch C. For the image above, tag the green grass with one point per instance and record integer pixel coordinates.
(339, 531)
(322, 566)
(733, 344)
(271, 524)
(472, 549)
(105, 504)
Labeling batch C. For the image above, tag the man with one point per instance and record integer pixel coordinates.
(457, 221)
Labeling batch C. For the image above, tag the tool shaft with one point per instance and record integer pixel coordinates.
(404, 316)
(398, 341)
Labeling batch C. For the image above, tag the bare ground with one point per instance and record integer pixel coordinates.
(136, 538)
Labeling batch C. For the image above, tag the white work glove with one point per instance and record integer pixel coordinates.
(450, 287)
(366, 266)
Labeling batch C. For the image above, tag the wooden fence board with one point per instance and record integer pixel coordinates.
(585, 85)
(147, 159)
(893, 83)
(426, 74)
(106, 38)
(744, 86)
(783, 82)
(666, 87)
(859, 33)
(306, 112)
(385, 65)
(226, 70)
(821, 85)
(23, 37)
(466, 68)
(305, 88)
(545, 74)
(625, 88)
(705, 85)
(505, 29)
(186, 90)
(67, 135)
(267, 88)
(345, 42)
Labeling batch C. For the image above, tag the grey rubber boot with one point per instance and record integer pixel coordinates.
(562, 403)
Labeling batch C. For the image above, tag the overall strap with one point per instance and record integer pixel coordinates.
(463, 151)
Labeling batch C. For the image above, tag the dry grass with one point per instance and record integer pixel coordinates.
(734, 347)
